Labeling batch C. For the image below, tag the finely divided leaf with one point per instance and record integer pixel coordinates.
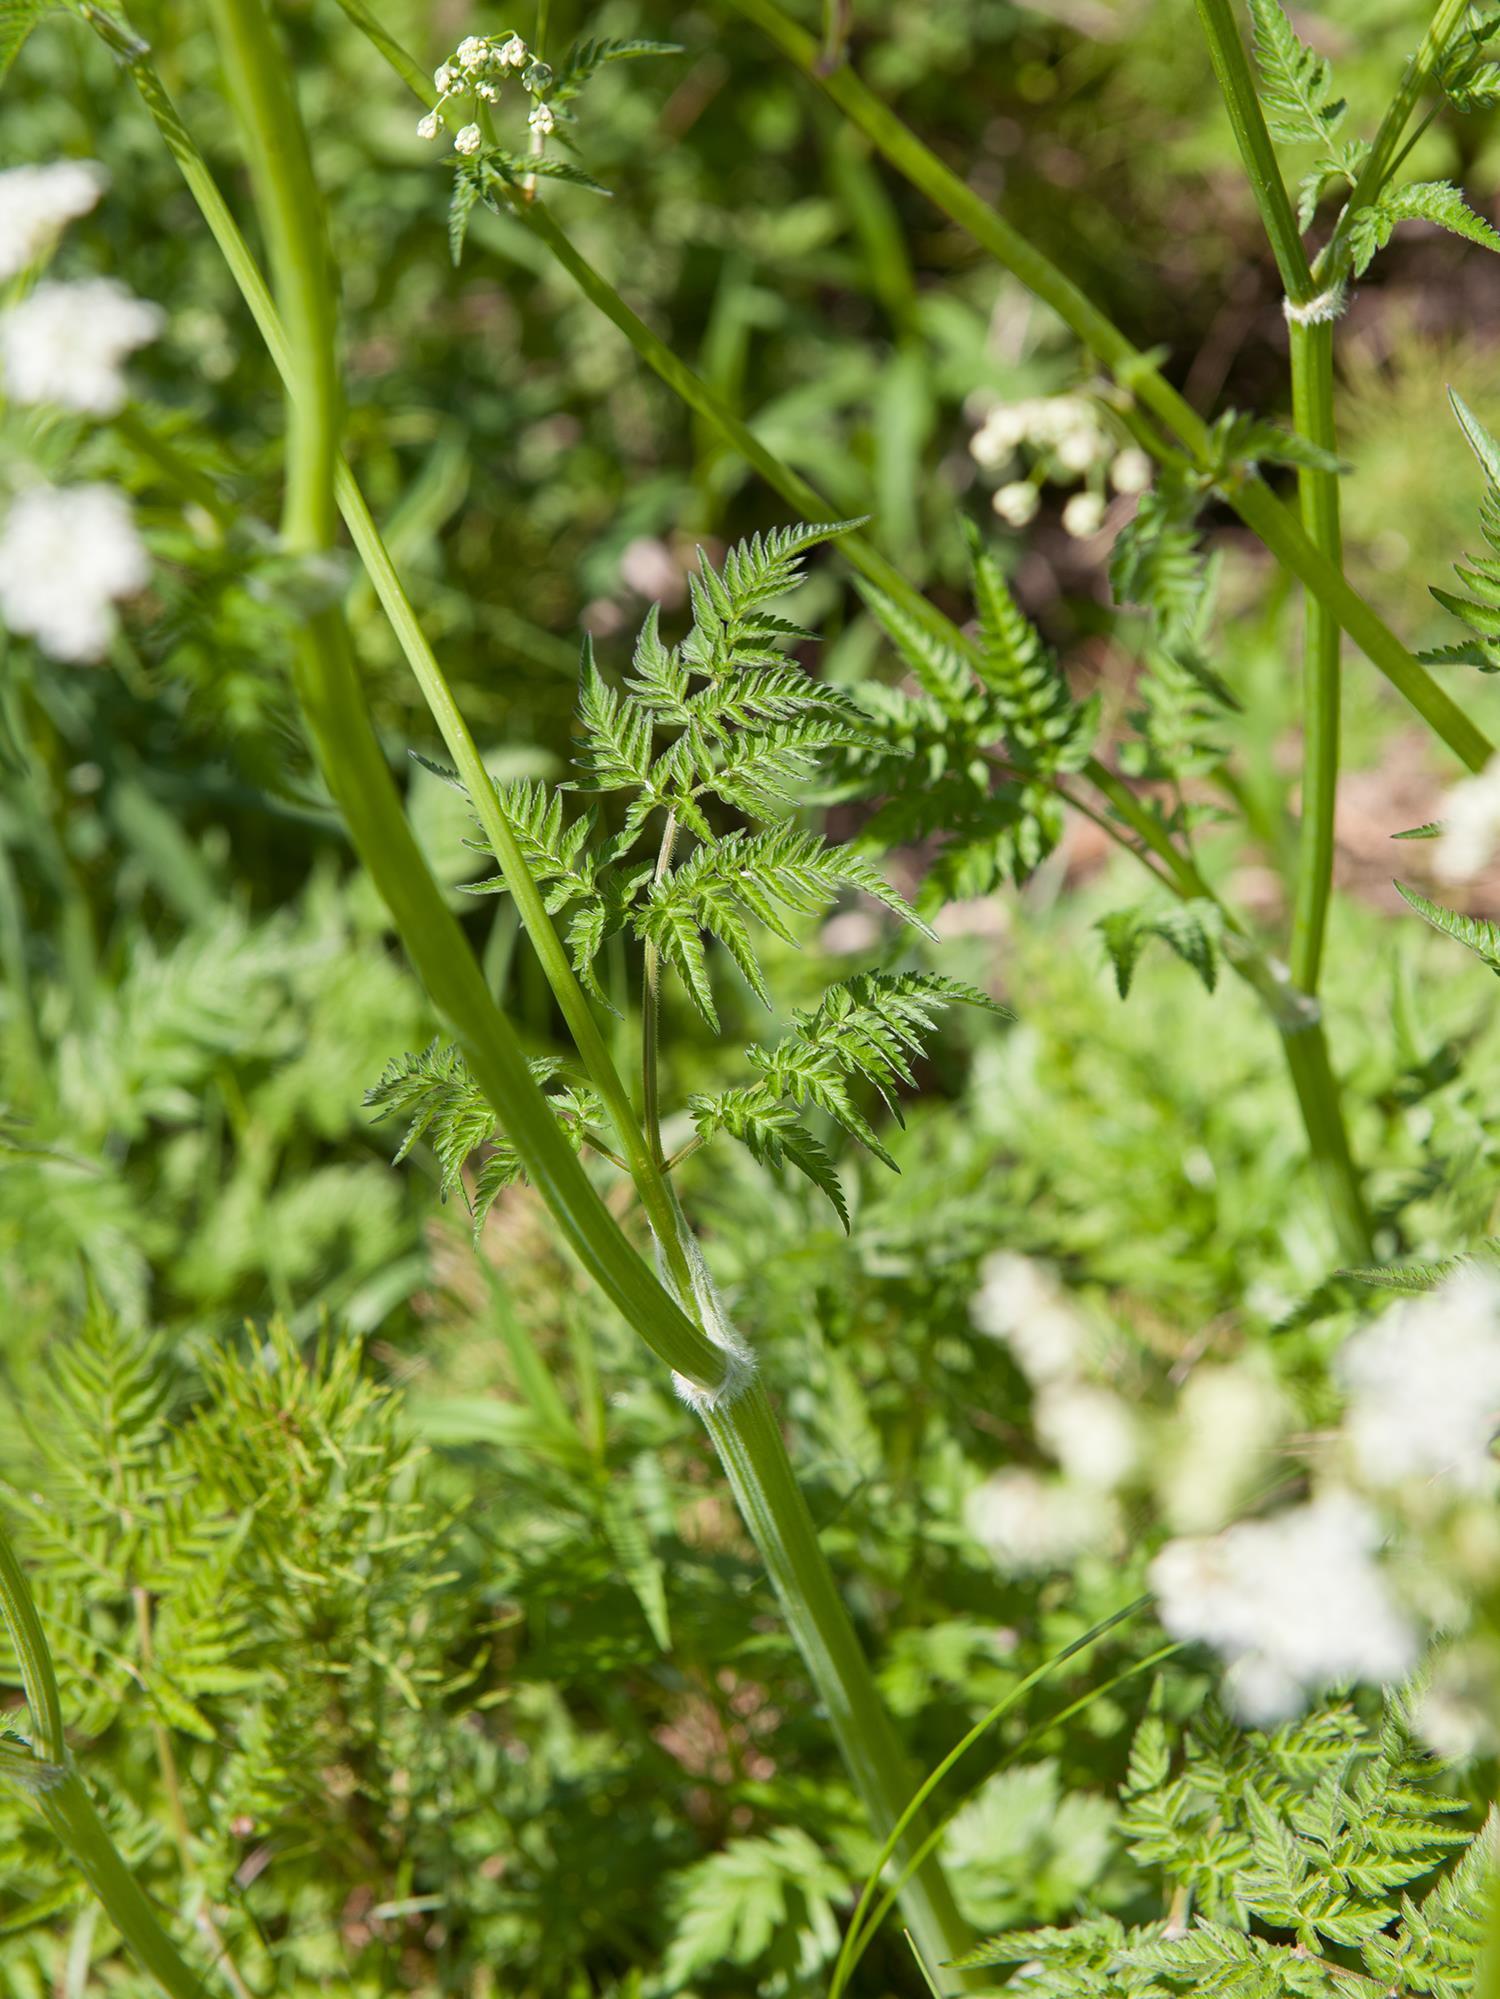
(1438, 201)
(1297, 83)
(1475, 932)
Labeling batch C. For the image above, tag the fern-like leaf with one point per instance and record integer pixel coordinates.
(1297, 83)
(1436, 201)
(1476, 933)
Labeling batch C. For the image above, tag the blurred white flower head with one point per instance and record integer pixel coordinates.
(1066, 428)
(469, 140)
(1226, 1422)
(1016, 502)
(67, 344)
(67, 554)
(37, 203)
(1470, 818)
(1020, 1302)
(1028, 1523)
(1083, 516)
(1130, 471)
(1293, 1604)
(1089, 1431)
(540, 119)
(1424, 1387)
(512, 54)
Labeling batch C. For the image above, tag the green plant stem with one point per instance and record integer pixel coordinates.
(572, 1002)
(65, 1804)
(1307, 1058)
(742, 1426)
(1311, 344)
(1322, 645)
(339, 723)
(651, 1008)
(1137, 373)
(1257, 154)
(858, 1939)
(748, 1439)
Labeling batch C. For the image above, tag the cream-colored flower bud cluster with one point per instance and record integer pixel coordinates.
(68, 554)
(1031, 1521)
(473, 76)
(1066, 442)
(1398, 1541)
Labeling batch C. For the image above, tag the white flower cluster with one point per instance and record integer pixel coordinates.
(476, 70)
(68, 555)
(37, 204)
(1471, 826)
(1029, 1520)
(1400, 1535)
(1424, 1388)
(1068, 442)
(66, 344)
(1294, 1603)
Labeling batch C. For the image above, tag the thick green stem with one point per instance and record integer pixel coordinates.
(339, 723)
(1322, 1116)
(1136, 372)
(743, 1428)
(1311, 340)
(1257, 154)
(1322, 645)
(748, 1439)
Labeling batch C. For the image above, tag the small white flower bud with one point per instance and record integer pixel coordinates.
(1083, 515)
(444, 77)
(512, 54)
(427, 128)
(490, 92)
(472, 51)
(1131, 471)
(469, 140)
(1078, 446)
(541, 119)
(1016, 503)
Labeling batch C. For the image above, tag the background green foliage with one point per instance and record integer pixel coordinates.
(458, 1661)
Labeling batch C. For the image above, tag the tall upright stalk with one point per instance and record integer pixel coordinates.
(719, 1379)
(1311, 346)
(47, 1772)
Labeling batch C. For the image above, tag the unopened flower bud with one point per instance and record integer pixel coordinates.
(427, 128)
(1083, 515)
(1131, 471)
(472, 51)
(444, 77)
(511, 54)
(469, 140)
(1017, 502)
(541, 120)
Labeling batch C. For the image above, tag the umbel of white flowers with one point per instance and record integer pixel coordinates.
(1398, 1539)
(37, 204)
(67, 555)
(474, 73)
(66, 344)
